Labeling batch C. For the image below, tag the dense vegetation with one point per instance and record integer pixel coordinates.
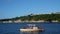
(45, 17)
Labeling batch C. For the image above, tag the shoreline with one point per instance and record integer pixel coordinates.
(31, 22)
(26, 21)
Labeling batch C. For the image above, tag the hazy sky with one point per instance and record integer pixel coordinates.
(14, 8)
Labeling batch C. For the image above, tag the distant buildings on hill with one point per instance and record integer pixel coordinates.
(57, 13)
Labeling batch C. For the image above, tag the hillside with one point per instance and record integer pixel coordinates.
(45, 17)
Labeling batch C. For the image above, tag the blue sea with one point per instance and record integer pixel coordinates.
(13, 28)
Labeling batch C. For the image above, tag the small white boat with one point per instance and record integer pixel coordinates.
(31, 29)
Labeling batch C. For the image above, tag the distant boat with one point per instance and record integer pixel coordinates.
(31, 29)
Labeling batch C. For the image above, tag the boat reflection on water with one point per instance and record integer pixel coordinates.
(30, 32)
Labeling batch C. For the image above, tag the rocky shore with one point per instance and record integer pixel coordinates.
(19, 21)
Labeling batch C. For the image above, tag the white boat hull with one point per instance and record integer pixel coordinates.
(31, 30)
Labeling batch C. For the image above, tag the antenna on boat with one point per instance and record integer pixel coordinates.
(34, 25)
(31, 25)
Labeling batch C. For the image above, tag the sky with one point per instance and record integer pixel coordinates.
(17, 8)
